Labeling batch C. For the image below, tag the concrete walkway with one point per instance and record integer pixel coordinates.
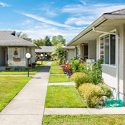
(27, 107)
(85, 111)
(62, 83)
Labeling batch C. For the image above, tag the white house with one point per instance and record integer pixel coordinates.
(105, 39)
(13, 50)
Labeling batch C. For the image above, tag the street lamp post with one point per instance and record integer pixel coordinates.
(28, 55)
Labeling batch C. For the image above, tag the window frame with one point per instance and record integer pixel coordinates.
(104, 35)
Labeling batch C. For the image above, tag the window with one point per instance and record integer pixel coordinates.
(112, 49)
(107, 49)
(102, 49)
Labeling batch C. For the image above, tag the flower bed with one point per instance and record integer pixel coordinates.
(16, 59)
(67, 70)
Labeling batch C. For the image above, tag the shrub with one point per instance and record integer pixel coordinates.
(74, 64)
(91, 93)
(105, 90)
(80, 78)
(94, 71)
(81, 67)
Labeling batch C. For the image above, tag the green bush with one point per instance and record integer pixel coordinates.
(94, 71)
(81, 67)
(74, 64)
(80, 78)
(90, 93)
(105, 90)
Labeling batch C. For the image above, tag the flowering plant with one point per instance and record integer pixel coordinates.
(15, 52)
(68, 69)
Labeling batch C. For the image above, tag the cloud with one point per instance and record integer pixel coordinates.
(38, 18)
(83, 2)
(26, 22)
(4, 4)
(40, 30)
(79, 21)
(91, 9)
(51, 13)
(84, 15)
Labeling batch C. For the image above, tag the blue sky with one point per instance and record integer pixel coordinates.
(39, 18)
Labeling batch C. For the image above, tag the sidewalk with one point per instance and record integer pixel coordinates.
(28, 106)
(85, 111)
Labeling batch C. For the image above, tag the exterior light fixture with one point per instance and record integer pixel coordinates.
(28, 55)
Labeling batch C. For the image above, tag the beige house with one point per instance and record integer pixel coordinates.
(13, 50)
(105, 39)
(70, 52)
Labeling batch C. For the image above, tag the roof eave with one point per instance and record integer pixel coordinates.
(96, 23)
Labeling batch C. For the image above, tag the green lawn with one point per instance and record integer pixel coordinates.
(32, 72)
(63, 96)
(84, 120)
(9, 87)
(56, 69)
(58, 78)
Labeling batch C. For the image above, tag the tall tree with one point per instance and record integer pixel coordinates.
(47, 41)
(58, 39)
(39, 42)
(24, 35)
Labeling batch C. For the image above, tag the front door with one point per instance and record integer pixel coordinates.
(2, 56)
(85, 51)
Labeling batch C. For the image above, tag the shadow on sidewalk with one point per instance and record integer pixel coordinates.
(45, 69)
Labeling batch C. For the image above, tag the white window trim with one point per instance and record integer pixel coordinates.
(104, 34)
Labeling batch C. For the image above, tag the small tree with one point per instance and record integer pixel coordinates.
(59, 52)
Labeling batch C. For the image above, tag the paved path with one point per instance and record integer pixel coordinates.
(28, 106)
(87, 111)
(17, 75)
(62, 83)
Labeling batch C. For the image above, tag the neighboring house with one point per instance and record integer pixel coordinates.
(44, 50)
(70, 51)
(9, 44)
(105, 39)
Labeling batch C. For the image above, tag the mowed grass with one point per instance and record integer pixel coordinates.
(31, 72)
(58, 78)
(84, 120)
(9, 87)
(60, 96)
(55, 68)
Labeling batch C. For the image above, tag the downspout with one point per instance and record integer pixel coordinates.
(117, 68)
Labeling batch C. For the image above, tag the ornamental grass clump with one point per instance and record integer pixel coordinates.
(105, 90)
(90, 93)
(80, 78)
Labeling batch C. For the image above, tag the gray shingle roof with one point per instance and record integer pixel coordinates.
(7, 38)
(45, 49)
(117, 12)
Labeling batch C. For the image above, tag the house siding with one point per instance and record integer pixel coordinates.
(92, 50)
(71, 53)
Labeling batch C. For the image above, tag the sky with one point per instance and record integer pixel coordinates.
(40, 18)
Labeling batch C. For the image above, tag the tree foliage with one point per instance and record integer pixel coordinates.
(58, 39)
(47, 41)
(59, 53)
(24, 35)
(39, 42)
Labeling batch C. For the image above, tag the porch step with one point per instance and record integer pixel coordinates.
(2, 67)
